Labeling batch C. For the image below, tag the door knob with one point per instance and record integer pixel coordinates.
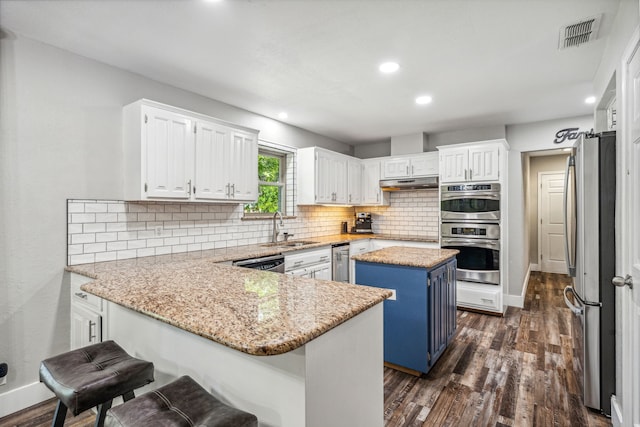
(620, 281)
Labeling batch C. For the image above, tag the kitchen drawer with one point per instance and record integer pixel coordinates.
(479, 296)
(78, 296)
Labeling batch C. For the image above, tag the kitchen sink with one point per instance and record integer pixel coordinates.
(290, 244)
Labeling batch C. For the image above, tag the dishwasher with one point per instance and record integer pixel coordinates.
(273, 263)
(340, 262)
(312, 263)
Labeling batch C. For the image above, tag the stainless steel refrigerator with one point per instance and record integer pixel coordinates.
(589, 208)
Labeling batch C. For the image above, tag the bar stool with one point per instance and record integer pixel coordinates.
(182, 403)
(93, 376)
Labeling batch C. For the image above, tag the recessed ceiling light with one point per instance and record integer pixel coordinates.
(590, 100)
(283, 115)
(389, 67)
(424, 99)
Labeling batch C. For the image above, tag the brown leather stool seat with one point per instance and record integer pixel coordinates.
(180, 403)
(93, 376)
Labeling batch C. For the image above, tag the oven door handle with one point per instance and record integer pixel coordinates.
(467, 195)
(471, 243)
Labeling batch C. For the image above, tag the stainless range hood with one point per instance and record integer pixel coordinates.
(423, 183)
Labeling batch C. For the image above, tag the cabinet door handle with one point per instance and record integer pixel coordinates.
(349, 198)
(470, 174)
(228, 189)
(81, 295)
(407, 169)
(92, 326)
(412, 170)
(189, 187)
(377, 197)
(233, 190)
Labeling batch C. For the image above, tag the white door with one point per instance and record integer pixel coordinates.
(484, 164)
(212, 151)
(395, 168)
(324, 180)
(454, 164)
(425, 164)
(627, 399)
(243, 173)
(371, 182)
(355, 182)
(551, 222)
(169, 154)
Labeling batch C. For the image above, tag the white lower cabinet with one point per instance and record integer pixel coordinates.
(357, 247)
(314, 263)
(88, 314)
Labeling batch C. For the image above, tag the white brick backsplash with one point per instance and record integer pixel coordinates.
(82, 259)
(95, 247)
(94, 227)
(74, 228)
(107, 217)
(77, 218)
(95, 207)
(106, 256)
(83, 238)
(127, 229)
(136, 244)
(116, 246)
(106, 237)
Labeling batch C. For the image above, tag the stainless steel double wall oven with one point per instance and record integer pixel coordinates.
(470, 215)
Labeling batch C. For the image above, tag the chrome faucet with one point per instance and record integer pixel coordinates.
(276, 230)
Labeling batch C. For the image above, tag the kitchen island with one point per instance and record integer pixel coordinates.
(293, 351)
(420, 316)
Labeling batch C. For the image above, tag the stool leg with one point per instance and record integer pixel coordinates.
(102, 413)
(60, 415)
(128, 396)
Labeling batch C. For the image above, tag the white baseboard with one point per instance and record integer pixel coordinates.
(616, 412)
(23, 397)
(534, 267)
(518, 300)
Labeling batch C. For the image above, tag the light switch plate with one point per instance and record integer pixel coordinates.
(393, 295)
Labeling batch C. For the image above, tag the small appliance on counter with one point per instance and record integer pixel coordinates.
(363, 223)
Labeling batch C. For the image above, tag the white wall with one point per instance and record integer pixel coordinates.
(60, 124)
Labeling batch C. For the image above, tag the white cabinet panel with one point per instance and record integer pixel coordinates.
(453, 165)
(371, 192)
(396, 168)
(168, 140)
(354, 181)
(484, 163)
(212, 148)
(86, 327)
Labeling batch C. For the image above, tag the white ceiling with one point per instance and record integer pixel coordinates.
(484, 62)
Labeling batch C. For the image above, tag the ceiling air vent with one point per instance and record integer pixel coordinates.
(580, 32)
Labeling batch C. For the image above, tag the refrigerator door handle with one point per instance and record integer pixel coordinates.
(570, 163)
(576, 310)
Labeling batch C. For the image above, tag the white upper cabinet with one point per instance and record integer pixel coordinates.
(415, 165)
(168, 139)
(173, 154)
(326, 177)
(372, 194)
(472, 162)
(354, 181)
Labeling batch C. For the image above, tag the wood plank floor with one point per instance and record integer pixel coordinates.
(518, 370)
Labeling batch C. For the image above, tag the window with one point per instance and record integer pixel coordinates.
(274, 172)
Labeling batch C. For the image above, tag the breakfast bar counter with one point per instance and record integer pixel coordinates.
(292, 350)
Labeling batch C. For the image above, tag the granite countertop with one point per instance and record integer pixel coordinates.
(256, 312)
(253, 311)
(410, 257)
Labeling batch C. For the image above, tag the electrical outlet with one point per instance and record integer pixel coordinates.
(158, 230)
(4, 369)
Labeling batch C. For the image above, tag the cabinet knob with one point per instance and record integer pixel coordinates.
(81, 295)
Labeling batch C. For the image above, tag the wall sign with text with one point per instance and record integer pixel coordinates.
(570, 134)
